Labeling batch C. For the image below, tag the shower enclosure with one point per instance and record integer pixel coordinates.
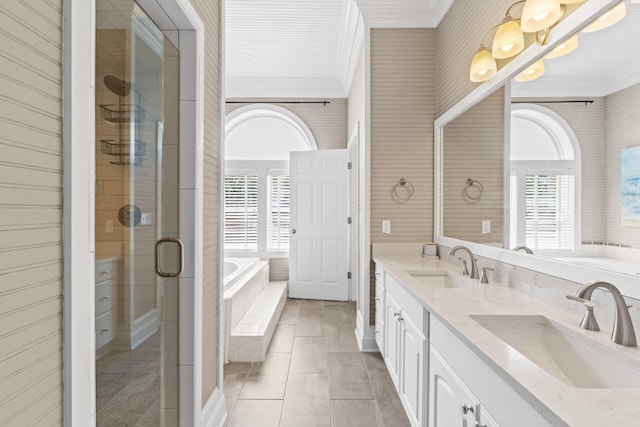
(138, 253)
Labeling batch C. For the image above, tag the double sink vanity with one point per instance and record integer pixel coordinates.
(463, 353)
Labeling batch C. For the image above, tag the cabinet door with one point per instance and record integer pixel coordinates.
(379, 331)
(486, 420)
(412, 353)
(450, 404)
(392, 338)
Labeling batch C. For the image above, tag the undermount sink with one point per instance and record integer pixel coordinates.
(569, 356)
(442, 279)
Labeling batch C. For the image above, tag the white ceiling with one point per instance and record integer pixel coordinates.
(605, 62)
(307, 48)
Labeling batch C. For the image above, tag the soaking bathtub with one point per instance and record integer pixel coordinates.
(244, 280)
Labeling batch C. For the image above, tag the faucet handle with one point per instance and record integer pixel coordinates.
(465, 270)
(589, 320)
(483, 276)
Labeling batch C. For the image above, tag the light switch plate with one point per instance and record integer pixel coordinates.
(386, 226)
(486, 226)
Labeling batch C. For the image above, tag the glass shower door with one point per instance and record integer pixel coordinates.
(136, 219)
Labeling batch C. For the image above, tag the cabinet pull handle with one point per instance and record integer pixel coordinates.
(398, 316)
(377, 274)
(466, 409)
(104, 298)
(477, 424)
(105, 272)
(104, 331)
(377, 299)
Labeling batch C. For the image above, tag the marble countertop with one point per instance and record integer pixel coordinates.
(552, 398)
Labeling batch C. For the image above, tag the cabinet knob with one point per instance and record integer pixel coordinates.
(398, 316)
(477, 424)
(104, 298)
(105, 272)
(377, 299)
(378, 332)
(466, 409)
(377, 274)
(104, 331)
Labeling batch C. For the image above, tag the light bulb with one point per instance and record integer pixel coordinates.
(607, 19)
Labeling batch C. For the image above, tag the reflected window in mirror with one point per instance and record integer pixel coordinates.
(544, 181)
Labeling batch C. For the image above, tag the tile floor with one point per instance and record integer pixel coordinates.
(313, 375)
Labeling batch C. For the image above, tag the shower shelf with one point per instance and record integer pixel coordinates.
(128, 153)
(122, 113)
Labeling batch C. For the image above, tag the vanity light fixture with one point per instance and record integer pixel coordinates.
(607, 19)
(483, 66)
(532, 72)
(538, 15)
(564, 48)
(571, 1)
(509, 39)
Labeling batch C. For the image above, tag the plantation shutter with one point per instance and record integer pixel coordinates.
(241, 212)
(550, 212)
(278, 219)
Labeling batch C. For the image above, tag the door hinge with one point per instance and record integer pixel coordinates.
(349, 165)
(349, 275)
(349, 220)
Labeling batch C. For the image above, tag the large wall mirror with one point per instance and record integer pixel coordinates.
(551, 166)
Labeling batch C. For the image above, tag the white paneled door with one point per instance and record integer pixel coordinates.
(318, 261)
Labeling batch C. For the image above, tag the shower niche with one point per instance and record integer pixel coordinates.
(128, 149)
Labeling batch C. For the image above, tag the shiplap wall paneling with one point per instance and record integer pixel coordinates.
(328, 123)
(402, 114)
(588, 123)
(623, 131)
(474, 148)
(209, 12)
(31, 212)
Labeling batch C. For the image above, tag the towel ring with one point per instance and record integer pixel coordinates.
(403, 183)
(473, 189)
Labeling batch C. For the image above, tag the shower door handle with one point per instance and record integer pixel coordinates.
(175, 241)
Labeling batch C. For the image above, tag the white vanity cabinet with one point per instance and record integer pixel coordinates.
(379, 309)
(106, 295)
(405, 348)
(459, 379)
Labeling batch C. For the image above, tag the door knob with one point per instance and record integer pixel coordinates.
(293, 231)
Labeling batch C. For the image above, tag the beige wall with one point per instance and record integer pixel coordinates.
(474, 148)
(623, 130)
(209, 12)
(31, 213)
(458, 38)
(403, 65)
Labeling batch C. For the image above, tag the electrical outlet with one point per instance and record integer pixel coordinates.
(486, 226)
(146, 218)
(386, 226)
(108, 226)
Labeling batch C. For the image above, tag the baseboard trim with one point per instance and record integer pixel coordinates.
(214, 413)
(144, 327)
(366, 342)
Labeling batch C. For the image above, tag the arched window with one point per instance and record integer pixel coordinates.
(259, 138)
(545, 181)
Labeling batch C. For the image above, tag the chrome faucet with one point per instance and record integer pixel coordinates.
(472, 260)
(523, 248)
(623, 332)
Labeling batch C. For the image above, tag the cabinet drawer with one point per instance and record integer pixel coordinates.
(105, 328)
(409, 304)
(105, 295)
(105, 270)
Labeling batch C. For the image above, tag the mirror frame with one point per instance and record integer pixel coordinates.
(628, 285)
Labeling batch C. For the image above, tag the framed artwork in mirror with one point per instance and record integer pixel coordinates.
(630, 167)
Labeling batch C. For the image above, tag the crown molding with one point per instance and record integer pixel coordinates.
(350, 46)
